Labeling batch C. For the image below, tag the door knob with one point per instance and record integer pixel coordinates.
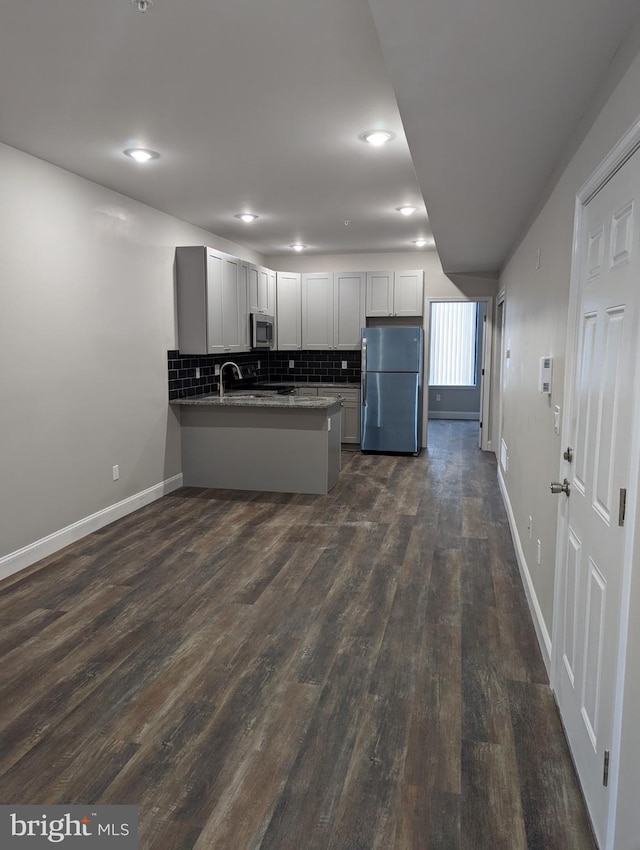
(557, 487)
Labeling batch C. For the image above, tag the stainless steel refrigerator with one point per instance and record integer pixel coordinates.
(391, 392)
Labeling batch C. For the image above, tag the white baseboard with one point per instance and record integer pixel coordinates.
(28, 555)
(542, 632)
(453, 414)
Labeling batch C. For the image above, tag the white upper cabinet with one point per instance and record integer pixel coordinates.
(408, 293)
(211, 305)
(271, 294)
(379, 299)
(332, 310)
(231, 336)
(348, 309)
(261, 289)
(289, 311)
(317, 311)
(395, 293)
(199, 292)
(243, 295)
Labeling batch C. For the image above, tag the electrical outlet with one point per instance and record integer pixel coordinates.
(259, 364)
(438, 397)
(530, 528)
(116, 472)
(291, 364)
(344, 364)
(216, 369)
(197, 372)
(539, 548)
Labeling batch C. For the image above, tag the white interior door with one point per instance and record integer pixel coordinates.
(600, 429)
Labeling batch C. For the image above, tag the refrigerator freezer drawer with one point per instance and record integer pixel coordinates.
(390, 413)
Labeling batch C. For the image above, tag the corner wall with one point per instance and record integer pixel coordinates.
(86, 319)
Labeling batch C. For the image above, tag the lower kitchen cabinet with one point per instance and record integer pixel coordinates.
(350, 410)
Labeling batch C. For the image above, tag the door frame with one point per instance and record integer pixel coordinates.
(485, 369)
(628, 145)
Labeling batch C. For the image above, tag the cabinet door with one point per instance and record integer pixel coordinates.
(214, 273)
(263, 290)
(348, 307)
(350, 422)
(289, 311)
(230, 305)
(379, 298)
(317, 311)
(271, 307)
(254, 273)
(243, 296)
(408, 293)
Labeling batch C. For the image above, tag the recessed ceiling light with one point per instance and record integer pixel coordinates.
(298, 246)
(246, 217)
(406, 210)
(419, 243)
(141, 154)
(377, 138)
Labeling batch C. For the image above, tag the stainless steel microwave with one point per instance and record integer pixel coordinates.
(262, 331)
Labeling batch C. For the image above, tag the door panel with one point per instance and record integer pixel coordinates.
(600, 429)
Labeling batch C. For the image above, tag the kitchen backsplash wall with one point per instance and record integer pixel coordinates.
(308, 366)
(314, 366)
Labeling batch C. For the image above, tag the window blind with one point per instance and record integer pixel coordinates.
(453, 332)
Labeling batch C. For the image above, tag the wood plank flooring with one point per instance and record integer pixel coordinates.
(356, 671)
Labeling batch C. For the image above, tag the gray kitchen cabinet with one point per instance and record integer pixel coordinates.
(289, 311)
(210, 303)
(350, 408)
(399, 293)
(350, 418)
(332, 310)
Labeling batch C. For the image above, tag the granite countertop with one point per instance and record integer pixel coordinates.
(245, 400)
(334, 386)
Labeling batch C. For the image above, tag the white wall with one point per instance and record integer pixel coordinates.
(86, 319)
(536, 323)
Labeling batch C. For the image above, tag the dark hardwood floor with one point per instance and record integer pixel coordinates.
(352, 671)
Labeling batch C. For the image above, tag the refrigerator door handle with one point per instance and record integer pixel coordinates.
(364, 370)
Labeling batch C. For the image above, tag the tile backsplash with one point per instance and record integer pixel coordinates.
(308, 366)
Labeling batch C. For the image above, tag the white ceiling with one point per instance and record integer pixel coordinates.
(258, 106)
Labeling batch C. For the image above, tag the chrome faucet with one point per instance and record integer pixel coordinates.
(236, 367)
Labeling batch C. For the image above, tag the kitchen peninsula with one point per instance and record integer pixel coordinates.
(281, 444)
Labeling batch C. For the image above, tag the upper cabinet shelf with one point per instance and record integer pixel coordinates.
(399, 293)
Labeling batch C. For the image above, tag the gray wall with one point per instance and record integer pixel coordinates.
(86, 319)
(536, 324)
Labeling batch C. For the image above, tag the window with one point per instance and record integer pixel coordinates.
(453, 344)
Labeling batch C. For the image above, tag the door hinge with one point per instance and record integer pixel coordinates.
(481, 424)
(483, 371)
(605, 773)
(622, 508)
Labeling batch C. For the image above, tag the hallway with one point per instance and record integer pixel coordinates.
(352, 671)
